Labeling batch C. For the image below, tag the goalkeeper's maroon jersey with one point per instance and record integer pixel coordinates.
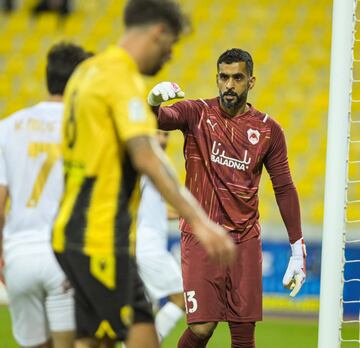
(224, 159)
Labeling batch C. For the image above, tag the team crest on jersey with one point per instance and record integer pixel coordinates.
(253, 136)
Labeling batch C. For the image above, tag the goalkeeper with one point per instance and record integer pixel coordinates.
(227, 144)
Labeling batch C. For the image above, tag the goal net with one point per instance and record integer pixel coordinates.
(340, 270)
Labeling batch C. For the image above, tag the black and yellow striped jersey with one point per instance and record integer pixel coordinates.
(104, 107)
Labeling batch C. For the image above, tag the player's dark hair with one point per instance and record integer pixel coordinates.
(142, 12)
(235, 55)
(62, 60)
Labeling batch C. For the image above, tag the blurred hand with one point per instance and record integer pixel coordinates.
(164, 91)
(295, 274)
(216, 242)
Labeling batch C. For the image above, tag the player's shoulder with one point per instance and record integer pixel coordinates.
(188, 105)
(96, 68)
(17, 116)
(121, 75)
(114, 62)
(10, 123)
(265, 118)
(207, 103)
(38, 111)
(196, 104)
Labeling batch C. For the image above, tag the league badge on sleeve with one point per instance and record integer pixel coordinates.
(136, 110)
(253, 136)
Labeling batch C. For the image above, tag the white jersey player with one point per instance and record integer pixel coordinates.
(157, 267)
(40, 302)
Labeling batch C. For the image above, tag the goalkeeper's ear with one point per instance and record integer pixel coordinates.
(251, 82)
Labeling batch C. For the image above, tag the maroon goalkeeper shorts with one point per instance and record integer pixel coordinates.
(215, 293)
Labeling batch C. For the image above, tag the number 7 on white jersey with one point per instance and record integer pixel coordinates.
(52, 152)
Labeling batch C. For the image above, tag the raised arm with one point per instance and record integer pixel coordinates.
(135, 126)
(149, 159)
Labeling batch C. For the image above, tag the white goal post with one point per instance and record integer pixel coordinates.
(330, 318)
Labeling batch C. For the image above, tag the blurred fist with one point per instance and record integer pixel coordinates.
(164, 91)
(216, 241)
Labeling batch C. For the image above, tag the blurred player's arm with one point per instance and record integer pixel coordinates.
(276, 163)
(172, 214)
(3, 199)
(149, 159)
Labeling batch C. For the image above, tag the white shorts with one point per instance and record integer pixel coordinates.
(160, 273)
(39, 301)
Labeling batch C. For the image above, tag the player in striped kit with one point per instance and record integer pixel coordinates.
(41, 304)
(108, 138)
(227, 144)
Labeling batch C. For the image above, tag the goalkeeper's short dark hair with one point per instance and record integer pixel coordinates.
(235, 55)
(62, 60)
(142, 12)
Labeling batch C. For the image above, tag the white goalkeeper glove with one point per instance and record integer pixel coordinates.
(164, 91)
(295, 273)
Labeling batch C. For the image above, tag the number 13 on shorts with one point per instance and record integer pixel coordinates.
(190, 301)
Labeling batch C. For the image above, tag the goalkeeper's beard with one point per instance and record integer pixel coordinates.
(154, 70)
(236, 103)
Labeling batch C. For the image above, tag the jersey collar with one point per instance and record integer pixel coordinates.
(249, 112)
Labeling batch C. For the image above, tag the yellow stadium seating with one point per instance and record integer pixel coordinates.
(290, 43)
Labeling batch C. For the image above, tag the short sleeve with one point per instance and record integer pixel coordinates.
(132, 115)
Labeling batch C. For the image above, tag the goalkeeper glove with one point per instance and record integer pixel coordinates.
(295, 273)
(164, 91)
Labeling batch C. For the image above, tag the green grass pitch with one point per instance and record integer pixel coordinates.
(271, 333)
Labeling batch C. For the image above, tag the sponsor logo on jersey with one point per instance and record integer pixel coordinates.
(253, 136)
(222, 159)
